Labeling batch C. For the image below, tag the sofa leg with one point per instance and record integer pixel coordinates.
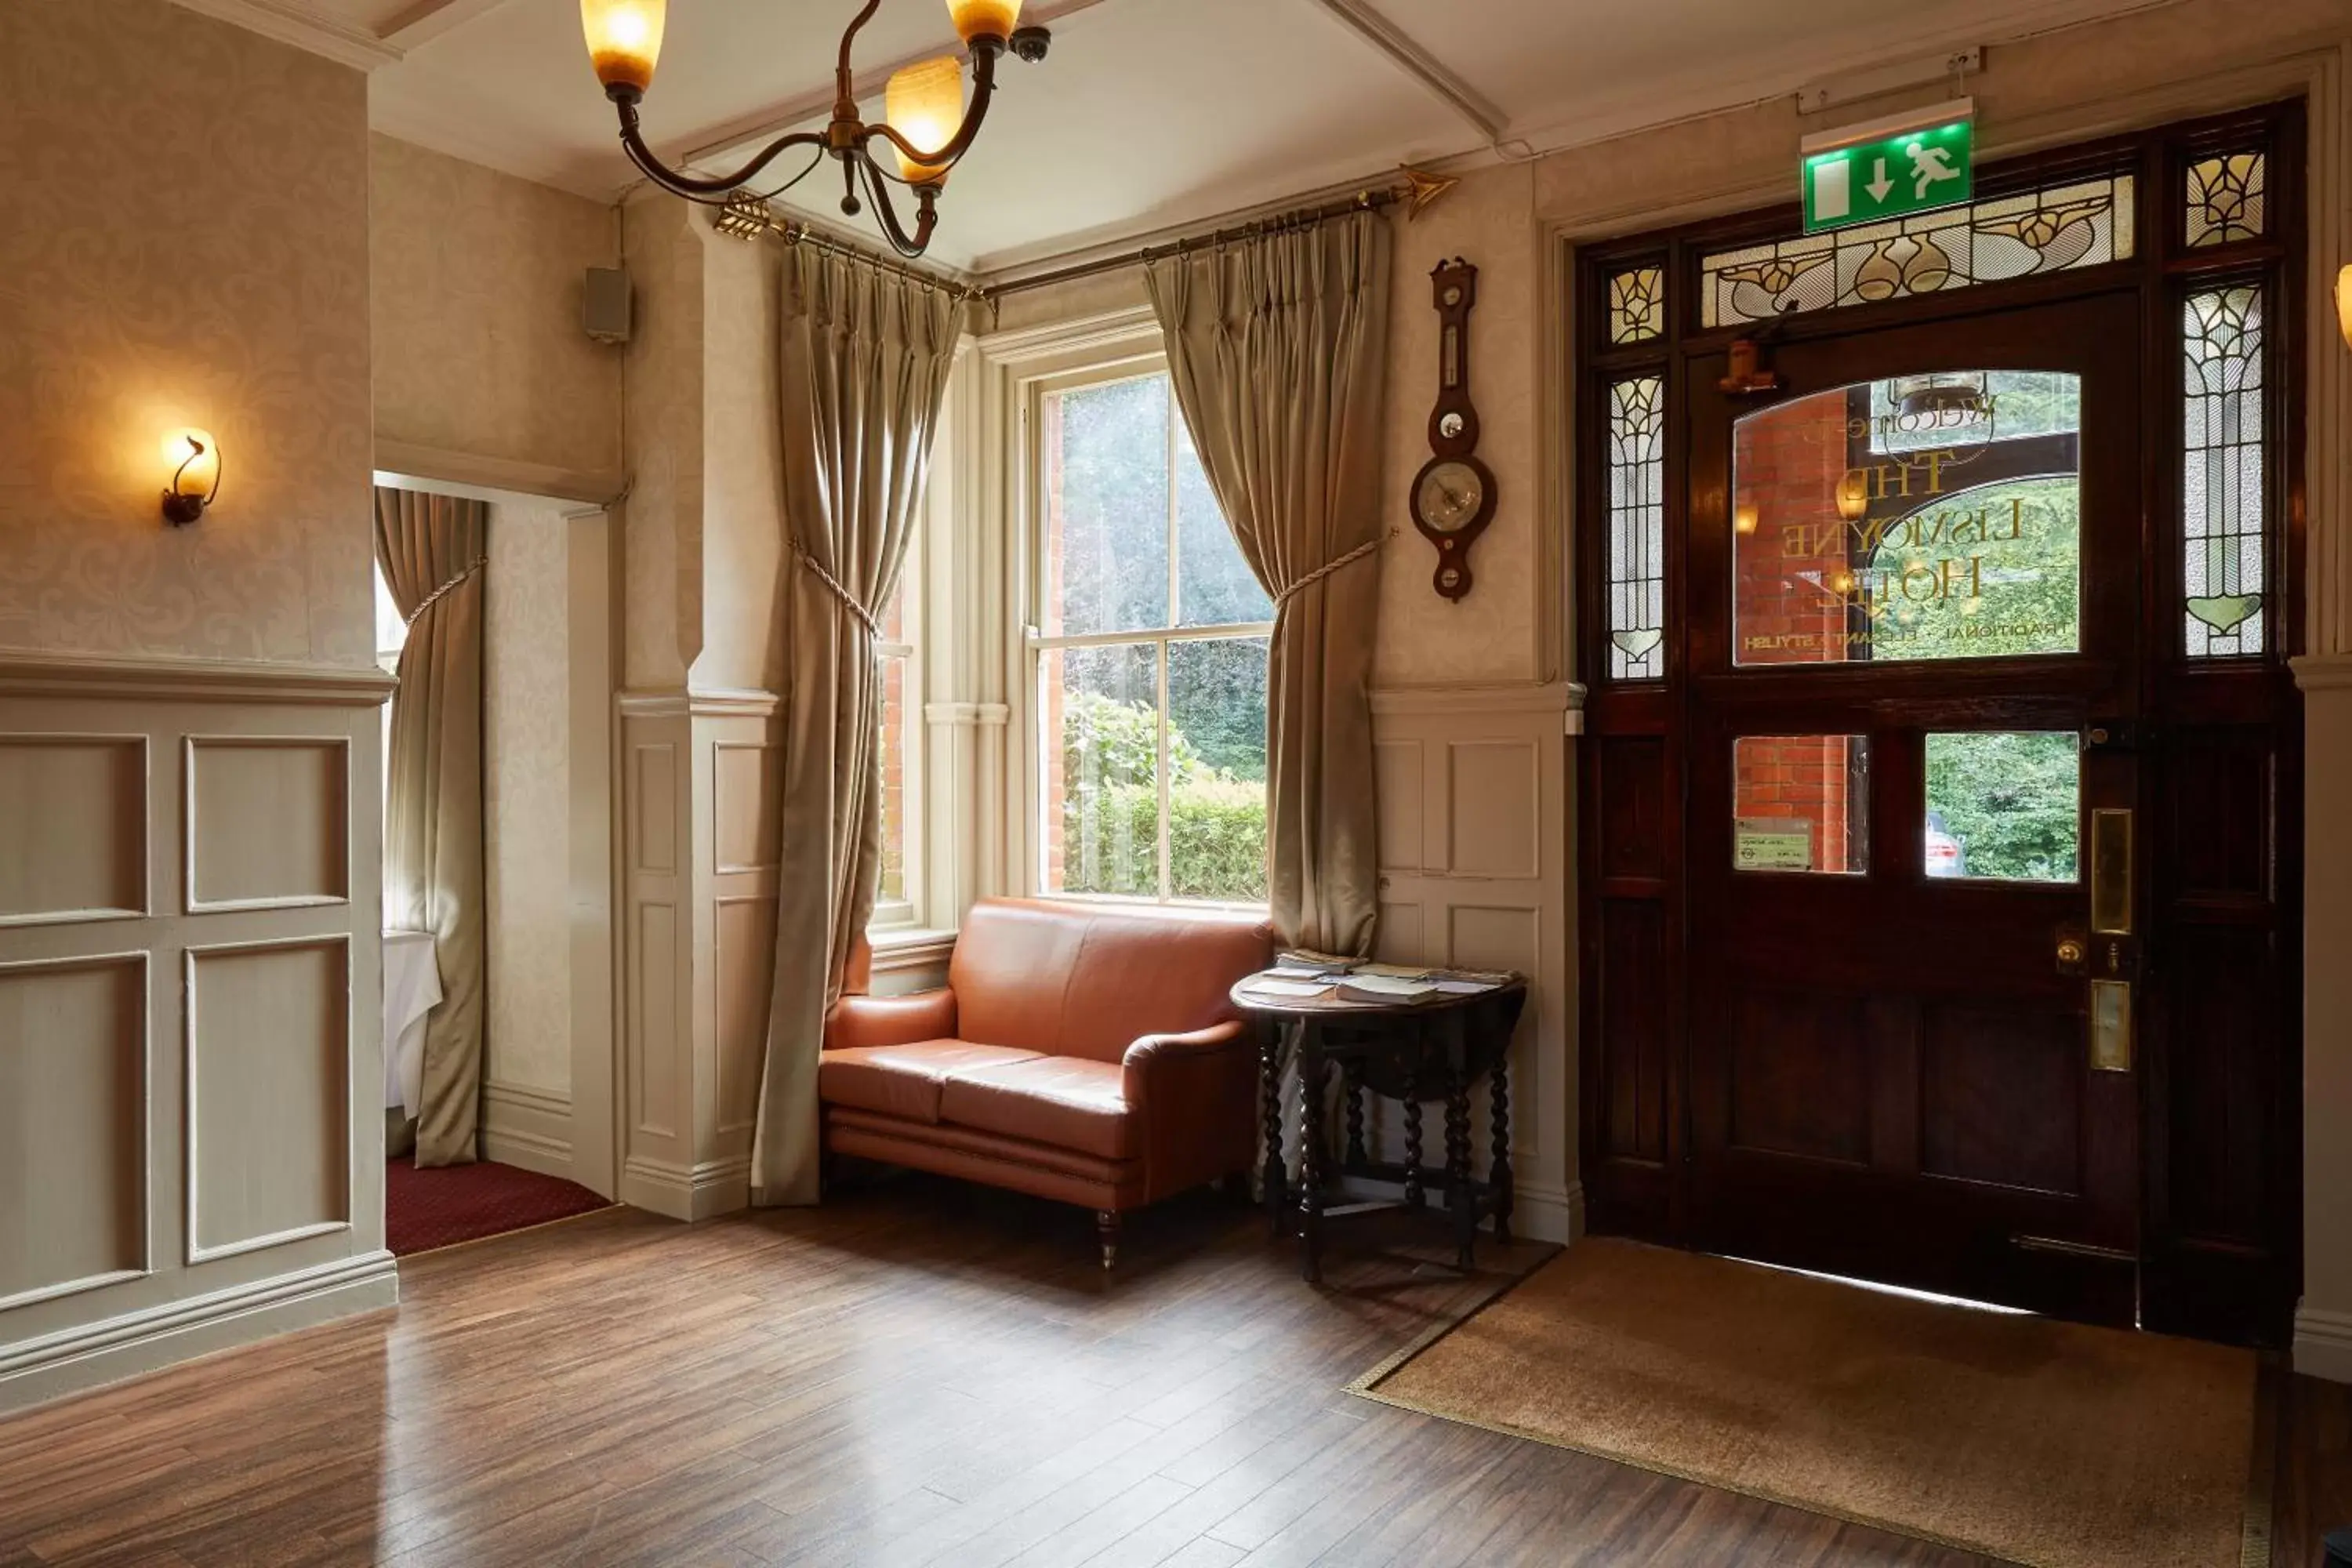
(1107, 1228)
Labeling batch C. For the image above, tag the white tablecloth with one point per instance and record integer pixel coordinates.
(412, 987)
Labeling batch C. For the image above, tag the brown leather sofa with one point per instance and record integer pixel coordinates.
(1087, 1055)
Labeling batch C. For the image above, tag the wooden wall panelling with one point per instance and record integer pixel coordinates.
(190, 895)
(1473, 825)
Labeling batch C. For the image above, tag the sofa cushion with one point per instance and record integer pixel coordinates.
(1067, 1101)
(903, 1080)
(1073, 980)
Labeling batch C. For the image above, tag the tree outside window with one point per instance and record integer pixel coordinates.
(1152, 659)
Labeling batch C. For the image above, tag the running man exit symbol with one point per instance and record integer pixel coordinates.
(1878, 172)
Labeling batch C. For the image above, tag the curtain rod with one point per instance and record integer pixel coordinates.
(750, 219)
(1308, 217)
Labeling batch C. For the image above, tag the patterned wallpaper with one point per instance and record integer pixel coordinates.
(527, 796)
(478, 345)
(186, 243)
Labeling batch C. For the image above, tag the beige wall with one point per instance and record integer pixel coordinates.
(185, 245)
(477, 292)
(527, 799)
(662, 534)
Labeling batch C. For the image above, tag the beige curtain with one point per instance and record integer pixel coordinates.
(432, 550)
(1278, 346)
(864, 367)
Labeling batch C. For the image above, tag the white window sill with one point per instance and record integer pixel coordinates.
(900, 948)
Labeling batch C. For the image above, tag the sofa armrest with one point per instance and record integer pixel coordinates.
(890, 1020)
(1196, 1094)
(1153, 1050)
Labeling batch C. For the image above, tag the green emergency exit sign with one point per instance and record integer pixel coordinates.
(1873, 174)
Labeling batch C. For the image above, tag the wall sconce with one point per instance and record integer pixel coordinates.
(2344, 304)
(196, 462)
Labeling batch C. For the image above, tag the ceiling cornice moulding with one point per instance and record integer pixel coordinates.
(291, 24)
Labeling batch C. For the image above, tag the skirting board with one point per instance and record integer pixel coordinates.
(1549, 1216)
(2323, 1343)
(714, 1187)
(529, 1129)
(88, 1356)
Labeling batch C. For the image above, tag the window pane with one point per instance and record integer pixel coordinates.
(2004, 808)
(1216, 769)
(1101, 712)
(1637, 305)
(1214, 586)
(1104, 482)
(893, 780)
(1800, 803)
(2225, 199)
(1924, 516)
(1637, 529)
(2222, 502)
(391, 631)
(2084, 224)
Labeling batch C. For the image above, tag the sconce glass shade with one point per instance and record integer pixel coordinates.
(985, 19)
(201, 456)
(624, 39)
(2344, 304)
(924, 104)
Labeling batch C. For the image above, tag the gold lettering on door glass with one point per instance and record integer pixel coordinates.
(2111, 872)
(1930, 517)
(2111, 1025)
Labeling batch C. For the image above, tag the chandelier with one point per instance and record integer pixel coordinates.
(927, 125)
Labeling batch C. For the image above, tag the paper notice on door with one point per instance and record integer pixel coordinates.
(1772, 843)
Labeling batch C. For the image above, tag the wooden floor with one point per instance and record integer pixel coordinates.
(921, 1373)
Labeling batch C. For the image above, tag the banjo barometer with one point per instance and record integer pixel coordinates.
(1453, 494)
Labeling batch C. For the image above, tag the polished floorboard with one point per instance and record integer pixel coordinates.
(918, 1374)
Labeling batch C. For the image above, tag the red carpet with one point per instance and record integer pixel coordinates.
(450, 1203)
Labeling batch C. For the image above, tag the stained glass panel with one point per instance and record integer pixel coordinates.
(1637, 528)
(2221, 499)
(2087, 224)
(1637, 305)
(2225, 199)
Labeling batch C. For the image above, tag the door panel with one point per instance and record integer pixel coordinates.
(1914, 623)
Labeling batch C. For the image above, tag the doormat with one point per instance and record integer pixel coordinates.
(2039, 1442)
(426, 1210)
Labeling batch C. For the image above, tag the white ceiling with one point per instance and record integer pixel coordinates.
(1148, 114)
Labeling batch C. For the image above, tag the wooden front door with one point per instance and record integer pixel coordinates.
(1914, 709)
(1939, 816)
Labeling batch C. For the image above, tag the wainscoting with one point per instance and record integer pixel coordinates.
(189, 1057)
(1474, 825)
(700, 932)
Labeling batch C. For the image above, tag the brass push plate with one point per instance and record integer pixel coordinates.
(2111, 1025)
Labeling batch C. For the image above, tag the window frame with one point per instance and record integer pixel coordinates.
(1128, 359)
(903, 917)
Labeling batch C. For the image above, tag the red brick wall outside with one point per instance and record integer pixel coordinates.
(1789, 541)
(894, 777)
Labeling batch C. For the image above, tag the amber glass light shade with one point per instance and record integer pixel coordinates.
(1854, 496)
(924, 104)
(2344, 304)
(624, 39)
(985, 19)
(201, 457)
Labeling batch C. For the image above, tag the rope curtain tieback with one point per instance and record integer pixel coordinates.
(1326, 570)
(451, 587)
(872, 623)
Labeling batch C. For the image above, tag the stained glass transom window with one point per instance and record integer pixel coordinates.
(1637, 528)
(2087, 224)
(2221, 499)
(2225, 199)
(1637, 305)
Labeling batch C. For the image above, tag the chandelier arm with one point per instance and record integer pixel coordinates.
(927, 216)
(846, 96)
(984, 89)
(632, 143)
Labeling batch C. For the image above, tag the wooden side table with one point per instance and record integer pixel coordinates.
(1436, 1049)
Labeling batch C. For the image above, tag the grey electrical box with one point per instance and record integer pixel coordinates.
(604, 304)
